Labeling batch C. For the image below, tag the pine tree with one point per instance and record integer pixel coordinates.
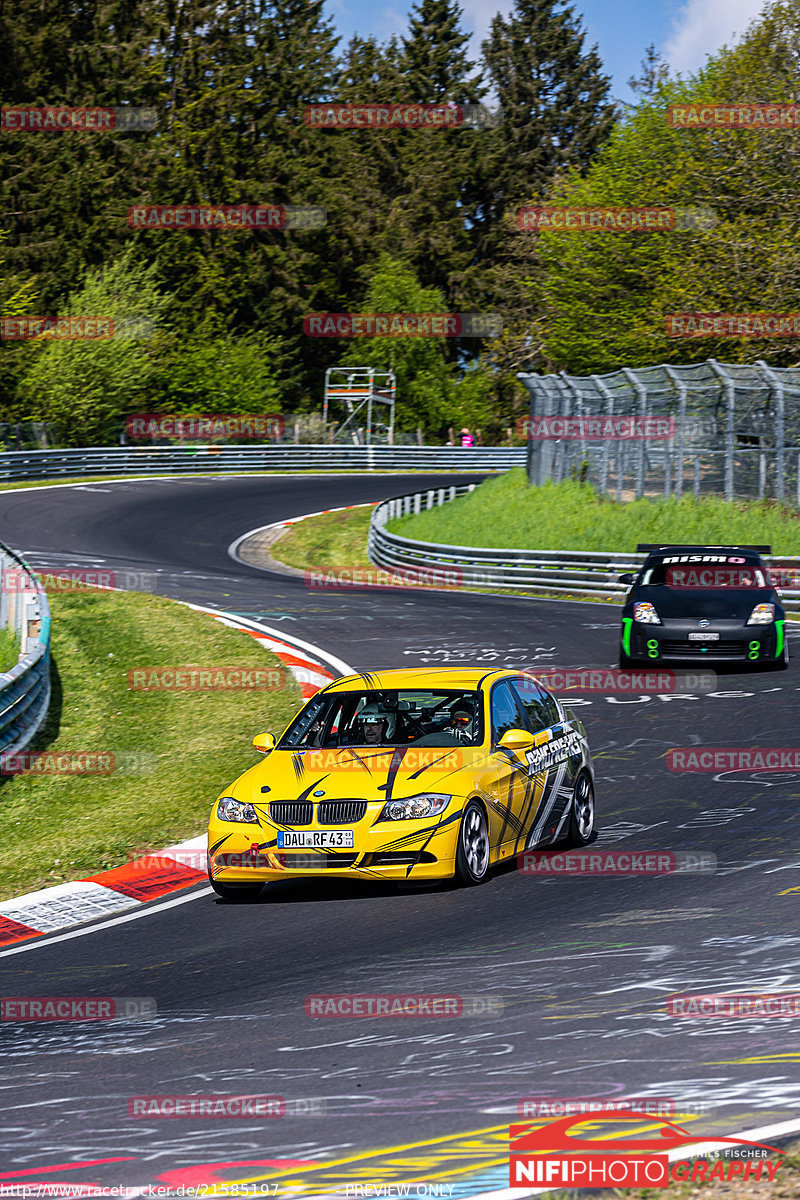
(654, 72)
(554, 99)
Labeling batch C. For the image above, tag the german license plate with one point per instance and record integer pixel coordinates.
(315, 839)
(703, 637)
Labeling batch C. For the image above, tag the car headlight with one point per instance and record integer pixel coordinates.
(229, 809)
(645, 613)
(429, 804)
(762, 614)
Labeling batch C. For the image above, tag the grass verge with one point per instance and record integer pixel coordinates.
(191, 744)
(507, 513)
(336, 539)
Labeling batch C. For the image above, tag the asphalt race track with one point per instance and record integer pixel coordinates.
(583, 966)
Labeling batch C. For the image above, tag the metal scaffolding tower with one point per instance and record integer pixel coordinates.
(368, 398)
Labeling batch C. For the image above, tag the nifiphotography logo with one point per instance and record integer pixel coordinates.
(553, 1155)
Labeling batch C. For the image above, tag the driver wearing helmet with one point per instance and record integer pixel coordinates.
(462, 720)
(376, 726)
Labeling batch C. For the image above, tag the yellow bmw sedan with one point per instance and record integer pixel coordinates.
(422, 774)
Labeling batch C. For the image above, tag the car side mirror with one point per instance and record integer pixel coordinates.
(264, 742)
(627, 578)
(517, 739)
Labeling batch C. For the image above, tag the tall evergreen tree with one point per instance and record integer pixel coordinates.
(556, 114)
(553, 95)
(65, 194)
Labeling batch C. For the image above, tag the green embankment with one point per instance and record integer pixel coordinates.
(178, 749)
(505, 512)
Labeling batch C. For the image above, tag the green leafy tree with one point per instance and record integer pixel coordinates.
(86, 387)
(432, 393)
(606, 295)
(216, 374)
(16, 298)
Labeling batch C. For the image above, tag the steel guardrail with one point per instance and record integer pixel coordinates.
(590, 573)
(141, 460)
(25, 687)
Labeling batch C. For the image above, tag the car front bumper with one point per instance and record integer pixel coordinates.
(734, 642)
(416, 849)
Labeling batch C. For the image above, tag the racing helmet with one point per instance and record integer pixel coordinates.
(372, 713)
(462, 717)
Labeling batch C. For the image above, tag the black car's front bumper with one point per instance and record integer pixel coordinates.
(734, 641)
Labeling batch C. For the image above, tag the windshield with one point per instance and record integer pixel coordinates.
(387, 718)
(703, 572)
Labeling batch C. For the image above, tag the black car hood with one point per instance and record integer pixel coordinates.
(721, 604)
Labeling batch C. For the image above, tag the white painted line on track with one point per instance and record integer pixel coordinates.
(338, 664)
(38, 943)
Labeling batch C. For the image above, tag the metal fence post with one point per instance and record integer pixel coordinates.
(641, 392)
(606, 456)
(682, 389)
(780, 429)
(730, 424)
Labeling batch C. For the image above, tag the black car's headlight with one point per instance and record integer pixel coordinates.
(229, 809)
(428, 804)
(762, 614)
(645, 613)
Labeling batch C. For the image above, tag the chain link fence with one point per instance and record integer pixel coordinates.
(735, 431)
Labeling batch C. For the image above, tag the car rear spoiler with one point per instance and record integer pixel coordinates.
(650, 546)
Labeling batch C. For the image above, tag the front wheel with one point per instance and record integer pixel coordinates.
(581, 812)
(472, 855)
(626, 662)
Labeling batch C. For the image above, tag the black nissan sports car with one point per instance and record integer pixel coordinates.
(712, 603)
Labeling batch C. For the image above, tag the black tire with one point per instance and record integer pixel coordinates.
(472, 855)
(780, 664)
(580, 830)
(236, 891)
(626, 662)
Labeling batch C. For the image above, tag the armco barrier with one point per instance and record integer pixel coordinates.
(25, 688)
(591, 573)
(176, 460)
